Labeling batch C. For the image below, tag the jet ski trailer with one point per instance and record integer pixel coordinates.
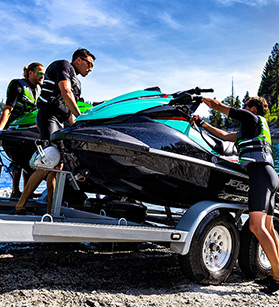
(209, 236)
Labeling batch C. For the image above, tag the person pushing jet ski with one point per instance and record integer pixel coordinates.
(57, 104)
(22, 95)
(253, 142)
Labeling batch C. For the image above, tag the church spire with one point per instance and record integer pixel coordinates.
(232, 88)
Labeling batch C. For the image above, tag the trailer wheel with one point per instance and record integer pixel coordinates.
(213, 251)
(252, 260)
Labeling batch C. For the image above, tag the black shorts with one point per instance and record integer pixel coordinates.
(264, 183)
(48, 123)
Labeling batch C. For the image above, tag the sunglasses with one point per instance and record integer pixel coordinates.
(89, 64)
(40, 74)
(246, 104)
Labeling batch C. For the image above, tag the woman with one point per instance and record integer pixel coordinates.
(253, 142)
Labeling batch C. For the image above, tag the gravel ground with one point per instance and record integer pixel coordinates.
(112, 275)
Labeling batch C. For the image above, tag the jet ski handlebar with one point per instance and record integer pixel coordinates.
(188, 100)
(198, 90)
(189, 97)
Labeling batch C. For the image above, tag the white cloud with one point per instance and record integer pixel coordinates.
(61, 14)
(100, 85)
(170, 21)
(24, 32)
(138, 44)
(255, 3)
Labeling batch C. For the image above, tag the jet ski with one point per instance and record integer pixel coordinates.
(144, 145)
(19, 140)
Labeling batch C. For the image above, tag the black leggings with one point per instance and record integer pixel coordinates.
(264, 183)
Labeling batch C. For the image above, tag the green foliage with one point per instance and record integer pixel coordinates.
(269, 86)
(218, 120)
(215, 118)
(273, 114)
(2, 105)
(246, 97)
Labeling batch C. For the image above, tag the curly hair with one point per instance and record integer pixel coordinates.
(260, 103)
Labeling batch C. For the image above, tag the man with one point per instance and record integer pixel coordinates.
(253, 142)
(22, 95)
(57, 105)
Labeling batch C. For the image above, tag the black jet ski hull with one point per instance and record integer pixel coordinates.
(19, 145)
(177, 173)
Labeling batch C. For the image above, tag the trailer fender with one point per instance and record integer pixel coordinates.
(192, 218)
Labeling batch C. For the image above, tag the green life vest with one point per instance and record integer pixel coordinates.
(257, 149)
(28, 100)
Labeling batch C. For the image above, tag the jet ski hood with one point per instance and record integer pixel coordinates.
(130, 103)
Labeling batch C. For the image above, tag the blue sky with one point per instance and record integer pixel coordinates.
(176, 44)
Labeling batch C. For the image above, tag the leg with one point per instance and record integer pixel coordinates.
(270, 227)
(51, 182)
(32, 184)
(16, 179)
(258, 227)
(26, 177)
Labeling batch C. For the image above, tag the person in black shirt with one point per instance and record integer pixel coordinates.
(22, 95)
(57, 105)
(54, 109)
(253, 142)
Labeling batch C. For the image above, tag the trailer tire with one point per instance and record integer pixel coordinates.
(252, 260)
(213, 251)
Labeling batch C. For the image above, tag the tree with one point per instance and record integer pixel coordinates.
(272, 115)
(269, 86)
(235, 103)
(215, 118)
(2, 105)
(246, 97)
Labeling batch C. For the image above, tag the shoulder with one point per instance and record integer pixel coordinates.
(16, 85)
(63, 65)
(243, 115)
(60, 70)
(17, 82)
(57, 66)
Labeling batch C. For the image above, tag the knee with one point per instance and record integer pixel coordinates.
(255, 228)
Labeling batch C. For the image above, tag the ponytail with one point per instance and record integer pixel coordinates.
(32, 66)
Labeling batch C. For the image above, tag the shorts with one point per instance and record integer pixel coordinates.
(48, 123)
(264, 182)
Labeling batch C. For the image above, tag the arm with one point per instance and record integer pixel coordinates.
(216, 105)
(221, 134)
(5, 116)
(71, 119)
(14, 94)
(68, 97)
